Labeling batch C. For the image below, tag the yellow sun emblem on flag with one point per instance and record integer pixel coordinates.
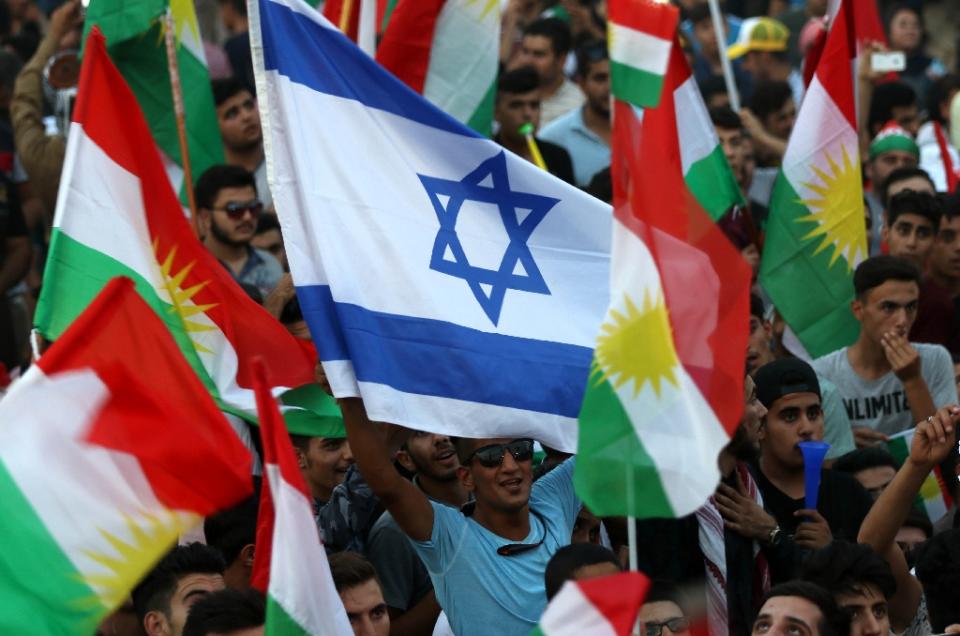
(837, 209)
(180, 298)
(637, 346)
(488, 6)
(149, 537)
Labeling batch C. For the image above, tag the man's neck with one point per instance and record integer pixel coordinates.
(249, 160)
(868, 360)
(513, 525)
(788, 480)
(599, 123)
(949, 283)
(549, 90)
(235, 256)
(516, 146)
(449, 491)
(727, 463)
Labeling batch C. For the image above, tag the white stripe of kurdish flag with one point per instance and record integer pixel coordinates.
(640, 35)
(604, 606)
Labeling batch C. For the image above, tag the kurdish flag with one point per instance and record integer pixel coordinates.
(135, 30)
(448, 51)
(667, 384)
(640, 33)
(118, 216)
(604, 606)
(301, 597)
(110, 448)
(816, 235)
(934, 498)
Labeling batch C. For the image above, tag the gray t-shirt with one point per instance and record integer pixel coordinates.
(881, 404)
(403, 578)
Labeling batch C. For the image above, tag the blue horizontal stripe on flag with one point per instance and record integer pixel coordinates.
(433, 357)
(326, 61)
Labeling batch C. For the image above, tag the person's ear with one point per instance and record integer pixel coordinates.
(246, 555)
(301, 457)
(885, 233)
(155, 624)
(466, 478)
(856, 306)
(403, 458)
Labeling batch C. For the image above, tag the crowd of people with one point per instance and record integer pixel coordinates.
(428, 534)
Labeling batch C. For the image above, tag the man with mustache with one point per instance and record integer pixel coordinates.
(228, 206)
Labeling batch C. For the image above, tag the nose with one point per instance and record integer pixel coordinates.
(509, 463)
(365, 628)
(912, 239)
(346, 454)
(869, 624)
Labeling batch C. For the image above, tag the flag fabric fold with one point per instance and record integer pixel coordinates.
(604, 606)
(666, 391)
(640, 35)
(433, 295)
(290, 559)
(816, 234)
(110, 448)
(118, 216)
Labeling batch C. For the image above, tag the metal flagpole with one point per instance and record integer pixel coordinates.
(721, 34)
(179, 114)
(632, 534)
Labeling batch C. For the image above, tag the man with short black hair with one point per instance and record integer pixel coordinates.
(239, 120)
(234, 532)
(873, 466)
(887, 382)
(269, 238)
(585, 132)
(545, 46)
(894, 101)
(945, 257)
(770, 120)
(228, 208)
(356, 581)
(227, 613)
(893, 150)
(576, 562)
(517, 107)
(182, 577)
(800, 607)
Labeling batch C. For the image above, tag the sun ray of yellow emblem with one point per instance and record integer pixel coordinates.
(149, 536)
(637, 346)
(180, 299)
(837, 209)
(488, 6)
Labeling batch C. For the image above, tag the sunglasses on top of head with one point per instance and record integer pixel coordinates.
(492, 455)
(237, 209)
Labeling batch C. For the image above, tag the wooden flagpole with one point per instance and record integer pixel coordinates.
(345, 10)
(180, 115)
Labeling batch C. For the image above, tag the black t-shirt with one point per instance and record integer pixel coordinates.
(557, 159)
(842, 501)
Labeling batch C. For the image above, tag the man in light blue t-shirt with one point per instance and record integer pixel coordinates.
(487, 561)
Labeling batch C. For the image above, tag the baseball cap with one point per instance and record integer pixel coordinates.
(783, 377)
(759, 34)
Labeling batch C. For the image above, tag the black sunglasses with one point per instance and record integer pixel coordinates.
(236, 209)
(678, 624)
(492, 456)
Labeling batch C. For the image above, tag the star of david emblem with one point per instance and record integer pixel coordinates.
(520, 213)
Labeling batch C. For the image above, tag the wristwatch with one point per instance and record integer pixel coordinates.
(775, 536)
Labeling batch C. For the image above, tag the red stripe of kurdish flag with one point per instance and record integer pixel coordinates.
(644, 15)
(651, 198)
(111, 117)
(165, 417)
(405, 47)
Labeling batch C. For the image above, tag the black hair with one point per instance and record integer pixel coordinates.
(518, 81)
(589, 53)
(216, 178)
(886, 97)
(224, 611)
(918, 519)
(153, 593)
(230, 530)
(291, 312)
(902, 174)
(845, 568)
(601, 186)
(912, 202)
(949, 205)
(464, 447)
(556, 30)
(877, 270)
(897, 8)
(267, 222)
(567, 560)
(865, 458)
(10, 66)
(725, 117)
(938, 93)
(769, 96)
(756, 306)
(710, 86)
(938, 568)
(834, 622)
(226, 87)
(699, 13)
(350, 569)
(661, 590)
(237, 5)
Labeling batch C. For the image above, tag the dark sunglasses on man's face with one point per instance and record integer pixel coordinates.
(237, 209)
(675, 625)
(492, 456)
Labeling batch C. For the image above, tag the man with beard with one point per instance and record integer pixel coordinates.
(403, 578)
(228, 207)
(239, 121)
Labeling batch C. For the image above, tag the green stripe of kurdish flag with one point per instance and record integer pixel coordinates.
(36, 572)
(279, 623)
(619, 462)
(803, 287)
(633, 85)
(482, 118)
(712, 183)
(68, 280)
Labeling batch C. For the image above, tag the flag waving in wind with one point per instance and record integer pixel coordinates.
(110, 448)
(452, 285)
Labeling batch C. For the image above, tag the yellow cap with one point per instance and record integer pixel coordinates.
(759, 34)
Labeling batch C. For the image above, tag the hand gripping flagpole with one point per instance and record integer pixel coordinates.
(721, 34)
(179, 113)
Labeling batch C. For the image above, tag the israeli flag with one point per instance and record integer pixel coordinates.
(454, 286)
